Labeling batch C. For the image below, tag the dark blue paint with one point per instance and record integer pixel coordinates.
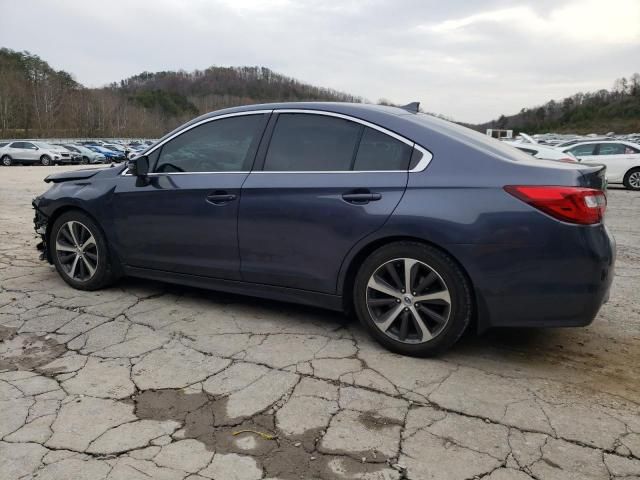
(293, 237)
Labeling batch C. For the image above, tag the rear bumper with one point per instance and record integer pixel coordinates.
(562, 282)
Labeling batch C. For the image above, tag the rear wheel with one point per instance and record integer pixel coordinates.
(6, 161)
(412, 298)
(45, 160)
(632, 179)
(79, 251)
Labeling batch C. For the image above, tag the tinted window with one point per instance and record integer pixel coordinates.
(616, 149)
(307, 142)
(17, 145)
(3, 144)
(378, 151)
(526, 150)
(582, 150)
(218, 146)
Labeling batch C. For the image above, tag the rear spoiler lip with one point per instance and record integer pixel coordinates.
(594, 176)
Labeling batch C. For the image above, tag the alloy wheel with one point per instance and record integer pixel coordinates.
(408, 300)
(634, 180)
(77, 251)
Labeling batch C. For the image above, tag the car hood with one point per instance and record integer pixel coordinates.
(74, 175)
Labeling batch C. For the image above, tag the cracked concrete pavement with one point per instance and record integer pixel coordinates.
(149, 380)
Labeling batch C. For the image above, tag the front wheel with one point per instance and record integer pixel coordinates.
(84, 161)
(632, 179)
(79, 252)
(413, 298)
(45, 161)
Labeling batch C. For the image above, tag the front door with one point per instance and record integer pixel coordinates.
(183, 218)
(617, 157)
(323, 183)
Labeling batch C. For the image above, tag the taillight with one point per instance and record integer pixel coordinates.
(567, 160)
(580, 205)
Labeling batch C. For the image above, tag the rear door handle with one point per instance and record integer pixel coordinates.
(361, 198)
(220, 197)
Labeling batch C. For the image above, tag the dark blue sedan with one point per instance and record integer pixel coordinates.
(418, 225)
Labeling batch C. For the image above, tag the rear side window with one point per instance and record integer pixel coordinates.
(582, 150)
(223, 145)
(527, 150)
(616, 149)
(379, 151)
(308, 142)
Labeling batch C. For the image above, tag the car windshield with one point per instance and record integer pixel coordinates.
(47, 146)
(469, 136)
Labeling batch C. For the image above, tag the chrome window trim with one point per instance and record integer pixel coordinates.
(427, 156)
(422, 164)
(184, 130)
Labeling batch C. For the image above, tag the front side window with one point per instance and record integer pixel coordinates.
(308, 142)
(583, 150)
(224, 145)
(379, 151)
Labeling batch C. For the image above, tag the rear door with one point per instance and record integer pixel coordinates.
(322, 183)
(618, 158)
(183, 219)
(19, 151)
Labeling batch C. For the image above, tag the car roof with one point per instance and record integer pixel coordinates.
(591, 142)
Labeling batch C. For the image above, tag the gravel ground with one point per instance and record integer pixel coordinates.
(151, 380)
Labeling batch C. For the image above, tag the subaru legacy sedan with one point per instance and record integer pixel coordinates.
(420, 226)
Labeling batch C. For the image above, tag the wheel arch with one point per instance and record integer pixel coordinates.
(347, 278)
(629, 171)
(65, 208)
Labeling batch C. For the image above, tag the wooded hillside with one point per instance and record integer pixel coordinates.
(38, 101)
(616, 110)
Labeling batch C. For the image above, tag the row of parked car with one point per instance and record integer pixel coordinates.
(620, 156)
(24, 152)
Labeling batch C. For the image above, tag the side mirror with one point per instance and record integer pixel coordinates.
(139, 166)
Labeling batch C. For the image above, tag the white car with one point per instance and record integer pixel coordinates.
(621, 158)
(543, 152)
(32, 152)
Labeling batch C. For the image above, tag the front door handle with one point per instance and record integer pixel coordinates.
(220, 197)
(361, 198)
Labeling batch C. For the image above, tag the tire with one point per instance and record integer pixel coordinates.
(632, 179)
(84, 161)
(6, 161)
(443, 318)
(96, 255)
(45, 160)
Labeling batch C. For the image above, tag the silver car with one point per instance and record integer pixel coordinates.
(86, 155)
(30, 153)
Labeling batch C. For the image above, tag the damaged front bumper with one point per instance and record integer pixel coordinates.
(40, 222)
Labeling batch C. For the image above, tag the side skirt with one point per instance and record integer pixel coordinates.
(292, 295)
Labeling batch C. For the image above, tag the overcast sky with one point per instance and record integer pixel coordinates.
(468, 59)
